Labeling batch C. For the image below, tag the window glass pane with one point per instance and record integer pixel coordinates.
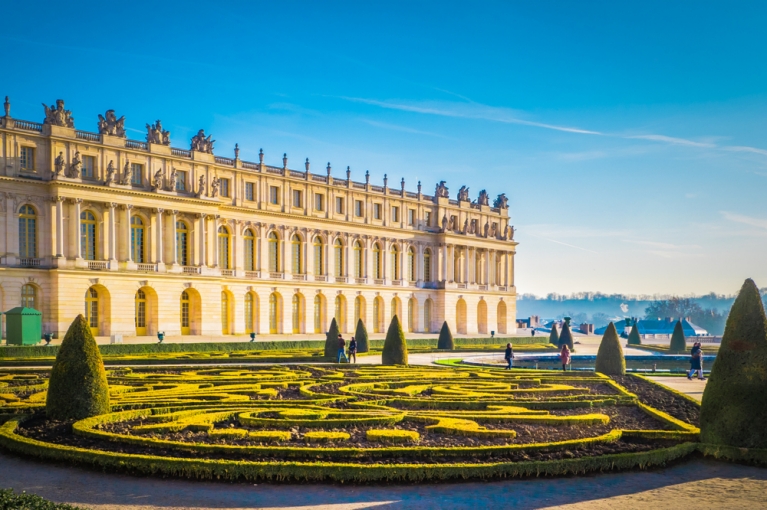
(249, 191)
(136, 173)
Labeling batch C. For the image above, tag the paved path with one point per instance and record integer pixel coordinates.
(693, 388)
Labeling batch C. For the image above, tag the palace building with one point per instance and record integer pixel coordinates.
(143, 237)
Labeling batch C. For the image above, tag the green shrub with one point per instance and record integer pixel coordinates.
(331, 340)
(734, 407)
(610, 360)
(634, 338)
(554, 336)
(678, 343)
(395, 347)
(78, 385)
(24, 501)
(445, 338)
(361, 335)
(566, 337)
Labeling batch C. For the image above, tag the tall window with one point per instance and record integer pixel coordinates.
(27, 232)
(376, 261)
(140, 302)
(340, 314)
(182, 243)
(427, 265)
(295, 255)
(273, 313)
(427, 218)
(137, 172)
(427, 316)
(137, 239)
(358, 210)
(296, 313)
(27, 159)
(224, 313)
(181, 179)
(224, 187)
(395, 214)
(411, 264)
(89, 167)
(224, 243)
(377, 211)
(377, 315)
(274, 195)
(250, 250)
(319, 260)
(274, 252)
(298, 198)
(28, 296)
(357, 310)
(88, 235)
(411, 315)
(339, 205)
(411, 217)
(250, 195)
(318, 314)
(250, 316)
(92, 310)
(319, 202)
(358, 268)
(338, 249)
(185, 329)
(395, 308)
(395, 263)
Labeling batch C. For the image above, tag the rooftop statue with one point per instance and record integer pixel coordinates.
(157, 180)
(463, 194)
(171, 184)
(441, 191)
(157, 135)
(58, 116)
(501, 202)
(109, 124)
(214, 187)
(58, 164)
(201, 188)
(75, 166)
(202, 144)
(111, 172)
(484, 198)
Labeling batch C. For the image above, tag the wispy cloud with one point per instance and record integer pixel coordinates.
(672, 140)
(561, 242)
(742, 148)
(746, 220)
(404, 129)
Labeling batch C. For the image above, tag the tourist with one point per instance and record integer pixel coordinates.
(509, 356)
(353, 350)
(341, 349)
(564, 355)
(532, 333)
(696, 361)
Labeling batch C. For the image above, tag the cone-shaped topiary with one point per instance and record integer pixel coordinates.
(678, 343)
(566, 337)
(634, 338)
(361, 335)
(78, 385)
(554, 336)
(610, 360)
(445, 338)
(331, 340)
(395, 346)
(734, 407)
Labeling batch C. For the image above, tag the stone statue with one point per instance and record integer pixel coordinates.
(157, 180)
(511, 233)
(444, 223)
(111, 171)
(157, 135)
(201, 188)
(452, 225)
(75, 166)
(441, 191)
(109, 124)
(172, 181)
(202, 144)
(126, 176)
(473, 227)
(463, 194)
(214, 187)
(484, 198)
(486, 230)
(466, 226)
(56, 115)
(58, 164)
(501, 202)
(494, 230)
(7, 107)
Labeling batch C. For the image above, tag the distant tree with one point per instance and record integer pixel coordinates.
(634, 338)
(610, 360)
(331, 340)
(575, 317)
(675, 307)
(395, 347)
(600, 319)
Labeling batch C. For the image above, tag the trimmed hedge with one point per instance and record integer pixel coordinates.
(24, 501)
(395, 347)
(445, 340)
(678, 343)
(634, 338)
(331, 340)
(393, 436)
(610, 360)
(554, 336)
(566, 338)
(361, 336)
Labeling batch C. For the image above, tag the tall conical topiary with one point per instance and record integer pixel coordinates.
(78, 385)
(445, 338)
(566, 337)
(678, 343)
(734, 407)
(395, 346)
(361, 335)
(634, 338)
(554, 336)
(610, 360)
(331, 340)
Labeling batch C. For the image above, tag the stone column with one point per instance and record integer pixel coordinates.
(59, 249)
(213, 240)
(443, 277)
(286, 255)
(466, 265)
(263, 258)
(74, 225)
(112, 244)
(158, 251)
(309, 262)
(487, 268)
(237, 250)
(511, 269)
(129, 263)
(172, 218)
(201, 244)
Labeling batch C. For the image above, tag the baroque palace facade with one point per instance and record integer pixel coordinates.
(143, 238)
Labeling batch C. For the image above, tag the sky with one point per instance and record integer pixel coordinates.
(630, 137)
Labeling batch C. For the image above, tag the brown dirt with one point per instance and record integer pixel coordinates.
(655, 396)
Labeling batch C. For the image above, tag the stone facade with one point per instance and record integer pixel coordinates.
(146, 237)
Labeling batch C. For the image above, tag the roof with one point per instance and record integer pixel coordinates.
(20, 310)
(657, 327)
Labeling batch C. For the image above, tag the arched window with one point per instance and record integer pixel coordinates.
(358, 305)
(319, 260)
(457, 273)
(395, 308)
(137, 240)
(224, 313)
(274, 252)
(411, 311)
(376, 261)
(297, 260)
(182, 243)
(140, 301)
(427, 265)
(29, 296)
(224, 247)
(250, 315)
(318, 318)
(427, 316)
(411, 264)
(340, 314)
(185, 328)
(338, 248)
(250, 250)
(274, 310)
(92, 310)
(377, 315)
(395, 263)
(88, 235)
(358, 268)
(297, 316)
(27, 232)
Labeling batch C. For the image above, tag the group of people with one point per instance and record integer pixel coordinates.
(696, 361)
(564, 356)
(342, 350)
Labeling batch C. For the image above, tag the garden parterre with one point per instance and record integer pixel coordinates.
(349, 423)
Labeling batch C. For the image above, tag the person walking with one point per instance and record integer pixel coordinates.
(353, 350)
(564, 355)
(696, 361)
(341, 349)
(532, 333)
(509, 356)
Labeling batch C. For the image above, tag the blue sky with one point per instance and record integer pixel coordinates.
(631, 137)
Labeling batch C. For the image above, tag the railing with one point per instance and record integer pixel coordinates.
(250, 166)
(409, 194)
(397, 192)
(412, 284)
(378, 281)
(427, 197)
(461, 285)
(252, 274)
(146, 268)
(482, 287)
(340, 183)
(299, 277)
(227, 272)
(276, 276)
(319, 178)
(224, 161)
(358, 185)
(30, 262)
(273, 170)
(502, 288)
(398, 283)
(320, 278)
(136, 144)
(191, 270)
(180, 152)
(360, 280)
(452, 202)
(296, 174)
(341, 279)
(97, 265)
(377, 189)
(29, 126)
(85, 135)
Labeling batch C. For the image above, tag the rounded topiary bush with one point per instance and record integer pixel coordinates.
(566, 337)
(395, 346)
(331, 340)
(445, 338)
(78, 385)
(678, 343)
(554, 336)
(610, 360)
(361, 335)
(734, 407)
(634, 338)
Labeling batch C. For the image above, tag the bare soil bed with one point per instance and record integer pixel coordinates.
(654, 396)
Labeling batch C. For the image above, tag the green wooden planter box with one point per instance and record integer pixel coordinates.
(23, 326)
